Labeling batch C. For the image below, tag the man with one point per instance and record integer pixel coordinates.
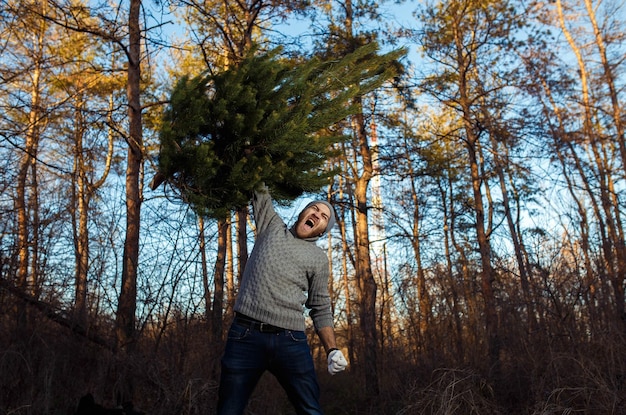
(286, 271)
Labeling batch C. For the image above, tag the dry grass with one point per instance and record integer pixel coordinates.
(452, 391)
(44, 370)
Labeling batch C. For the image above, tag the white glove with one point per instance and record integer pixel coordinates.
(336, 362)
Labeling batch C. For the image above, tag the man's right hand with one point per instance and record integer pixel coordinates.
(336, 362)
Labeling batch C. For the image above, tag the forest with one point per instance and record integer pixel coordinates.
(478, 264)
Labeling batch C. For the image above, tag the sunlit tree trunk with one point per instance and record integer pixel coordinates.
(486, 274)
(618, 123)
(609, 79)
(25, 189)
(365, 277)
(613, 245)
(80, 218)
(346, 258)
(230, 270)
(127, 302)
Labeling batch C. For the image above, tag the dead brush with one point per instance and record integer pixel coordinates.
(452, 391)
(579, 385)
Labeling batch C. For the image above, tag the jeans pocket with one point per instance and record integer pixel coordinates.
(237, 332)
(297, 336)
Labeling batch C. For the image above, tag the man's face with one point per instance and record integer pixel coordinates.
(312, 221)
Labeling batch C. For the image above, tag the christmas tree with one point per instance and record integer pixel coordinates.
(264, 120)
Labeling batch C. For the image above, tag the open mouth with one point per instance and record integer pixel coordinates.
(309, 223)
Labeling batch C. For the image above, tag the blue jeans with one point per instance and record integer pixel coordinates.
(249, 353)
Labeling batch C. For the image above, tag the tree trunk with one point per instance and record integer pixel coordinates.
(23, 204)
(367, 284)
(205, 274)
(229, 274)
(609, 80)
(127, 303)
(81, 234)
(28, 158)
(218, 282)
(486, 273)
(346, 283)
(242, 250)
(448, 239)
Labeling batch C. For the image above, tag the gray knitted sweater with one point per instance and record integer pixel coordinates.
(283, 274)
